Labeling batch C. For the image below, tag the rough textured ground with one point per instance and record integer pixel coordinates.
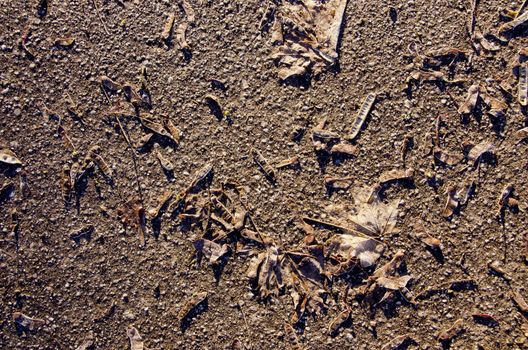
(71, 286)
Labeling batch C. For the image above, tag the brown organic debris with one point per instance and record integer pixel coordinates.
(309, 33)
(339, 322)
(263, 164)
(289, 162)
(136, 342)
(191, 307)
(85, 232)
(448, 334)
(452, 203)
(213, 251)
(346, 149)
(471, 100)
(166, 34)
(519, 301)
(27, 322)
(338, 183)
(479, 150)
(64, 43)
(450, 286)
(522, 95)
(361, 116)
(9, 157)
(398, 342)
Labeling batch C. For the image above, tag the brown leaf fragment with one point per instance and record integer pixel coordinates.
(361, 116)
(479, 150)
(263, 164)
(214, 252)
(189, 11)
(338, 183)
(471, 100)
(155, 213)
(136, 342)
(180, 33)
(346, 149)
(265, 271)
(508, 27)
(345, 247)
(519, 301)
(398, 342)
(520, 135)
(479, 42)
(452, 203)
(166, 34)
(522, 92)
(434, 76)
(339, 322)
(448, 334)
(173, 130)
(201, 175)
(64, 43)
(151, 123)
(108, 84)
(465, 193)
(496, 268)
(396, 175)
(9, 157)
(85, 232)
(214, 105)
(27, 322)
(165, 163)
(95, 154)
(290, 162)
(192, 306)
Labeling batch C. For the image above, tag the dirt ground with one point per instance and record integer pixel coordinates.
(97, 288)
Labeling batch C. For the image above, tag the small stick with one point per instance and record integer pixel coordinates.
(100, 17)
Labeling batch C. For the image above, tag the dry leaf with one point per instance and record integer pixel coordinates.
(340, 321)
(522, 96)
(192, 306)
(345, 247)
(136, 343)
(479, 150)
(375, 219)
(9, 157)
(211, 250)
(265, 271)
(452, 203)
(448, 334)
(64, 43)
(305, 26)
(263, 164)
(346, 149)
(471, 100)
(27, 322)
(166, 34)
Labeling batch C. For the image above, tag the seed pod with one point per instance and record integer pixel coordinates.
(191, 306)
(173, 131)
(66, 184)
(362, 116)
(166, 34)
(201, 175)
(263, 164)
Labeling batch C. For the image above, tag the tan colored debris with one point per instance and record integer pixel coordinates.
(94, 154)
(346, 149)
(345, 247)
(293, 161)
(263, 163)
(338, 183)
(520, 302)
(361, 116)
(339, 321)
(479, 150)
(508, 27)
(165, 163)
(136, 342)
(201, 175)
(108, 84)
(173, 130)
(166, 34)
(191, 306)
(504, 198)
(265, 271)
(66, 42)
(66, 185)
(452, 203)
(310, 36)
(27, 322)
(471, 100)
(398, 342)
(448, 334)
(156, 212)
(520, 134)
(214, 252)
(9, 157)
